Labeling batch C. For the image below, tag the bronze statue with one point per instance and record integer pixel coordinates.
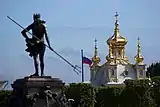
(45, 93)
(36, 46)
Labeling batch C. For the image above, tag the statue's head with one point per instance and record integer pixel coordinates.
(36, 17)
(47, 87)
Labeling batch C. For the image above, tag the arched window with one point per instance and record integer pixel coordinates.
(113, 52)
(141, 72)
(119, 52)
(112, 72)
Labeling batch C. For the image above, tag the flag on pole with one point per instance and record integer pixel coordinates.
(86, 60)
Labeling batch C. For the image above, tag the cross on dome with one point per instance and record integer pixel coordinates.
(116, 15)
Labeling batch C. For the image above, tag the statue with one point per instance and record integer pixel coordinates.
(58, 100)
(31, 100)
(36, 46)
(27, 94)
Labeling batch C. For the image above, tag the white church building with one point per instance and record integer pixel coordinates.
(117, 67)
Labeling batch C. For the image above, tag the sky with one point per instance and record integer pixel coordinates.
(73, 25)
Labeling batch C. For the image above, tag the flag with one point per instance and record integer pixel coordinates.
(86, 60)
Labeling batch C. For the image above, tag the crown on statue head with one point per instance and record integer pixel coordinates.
(36, 16)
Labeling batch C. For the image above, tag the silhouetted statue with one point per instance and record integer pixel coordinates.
(36, 46)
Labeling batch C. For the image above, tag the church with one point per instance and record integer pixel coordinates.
(117, 67)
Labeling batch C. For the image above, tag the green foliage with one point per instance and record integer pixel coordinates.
(83, 94)
(154, 69)
(4, 96)
(72, 91)
(156, 90)
(137, 93)
(108, 96)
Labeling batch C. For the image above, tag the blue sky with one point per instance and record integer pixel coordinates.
(73, 25)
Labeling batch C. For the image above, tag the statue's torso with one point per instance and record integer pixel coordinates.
(38, 31)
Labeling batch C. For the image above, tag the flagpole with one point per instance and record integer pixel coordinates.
(82, 66)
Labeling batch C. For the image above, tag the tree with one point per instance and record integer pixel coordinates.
(153, 70)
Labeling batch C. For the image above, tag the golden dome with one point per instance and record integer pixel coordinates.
(96, 59)
(108, 59)
(139, 58)
(116, 38)
(116, 45)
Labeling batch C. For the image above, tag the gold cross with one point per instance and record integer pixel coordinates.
(95, 40)
(116, 15)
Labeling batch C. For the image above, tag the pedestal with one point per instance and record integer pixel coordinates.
(31, 85)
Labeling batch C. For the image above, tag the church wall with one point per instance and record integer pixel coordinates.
(125, 72)
(101, 76)
(104, 75)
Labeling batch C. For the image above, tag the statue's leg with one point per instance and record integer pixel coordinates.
(36, 64)
(46, 101)
(41, 58)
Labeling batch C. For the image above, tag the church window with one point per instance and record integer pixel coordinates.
(112, 72)
(119, 52)
(113, 52)
(125, 72)
(141, 72)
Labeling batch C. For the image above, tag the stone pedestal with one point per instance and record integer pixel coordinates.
(31, 85)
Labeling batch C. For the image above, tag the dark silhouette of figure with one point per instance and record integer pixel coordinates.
(36, 46)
